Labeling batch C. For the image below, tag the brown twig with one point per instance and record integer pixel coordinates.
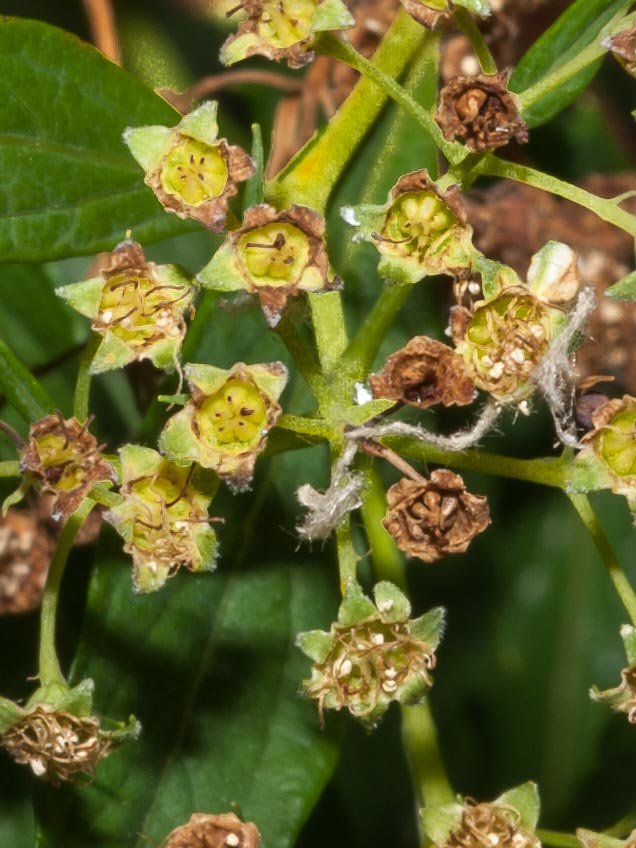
(211, 84)
(376, 449)
(103, 30)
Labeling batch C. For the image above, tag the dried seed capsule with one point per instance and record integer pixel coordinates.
(623, 46)
(481, 112)
(274, 255)
(66, 460)
(434, 518)
(214, 831)
(424, 373)
(163, 517)
(225, 424)
(137, 307)
(373, 654)
(283, 29)
(192, 171)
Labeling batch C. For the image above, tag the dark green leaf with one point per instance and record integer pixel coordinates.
(70, 186)
(20, 387)
(624, 289)
(574, 31)
(209, 667)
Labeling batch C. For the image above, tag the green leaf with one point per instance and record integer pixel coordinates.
(209, 667)
(624, 289)
(573, 38)
(70, 186)
(21, 389)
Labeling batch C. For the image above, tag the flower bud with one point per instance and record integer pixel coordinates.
(136, 306)
(274, 255)
(66, 461)
(421, 231)
(283, 29)
(424, 373)
(373, 654)
(481, 112)
(209, 831)
(163, 517)
(225, 424)
(430, 519)
(192, 171)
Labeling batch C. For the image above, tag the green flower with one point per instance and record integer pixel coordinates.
(507, 822)
(163, 517)
(283, 29)
(622, 698)
(373, 654)
(56, 735)
(192, 171)
(225, 424)
(274, 255)
(137, 307)
(421, 231)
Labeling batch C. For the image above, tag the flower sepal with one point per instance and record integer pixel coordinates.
(622, 698)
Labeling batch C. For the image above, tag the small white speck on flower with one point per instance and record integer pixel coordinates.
(37, 766)
(493, 839)
(345, 668)
(362, 394)
(348, 214)
(390, 672)
(518, 356)
(152, 566)
(385, 606)
(377, 639)
(107, 314)
(496, 371)
(524, 407)
(389, 686)
(232, 840)
(474, 288)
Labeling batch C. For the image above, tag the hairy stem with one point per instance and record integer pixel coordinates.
(558, 839)
(582, 505)
(347, 556)
(49, 668)
(84, 379)
(303, 357)
(470, 29)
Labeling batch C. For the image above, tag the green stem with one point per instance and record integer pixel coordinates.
(315, 170)
(10, 468)
(606, 209)
(303, 358)
(329, 329)
(467, 24)
(418, 728)
(347, 556)
(587, 515)
(84, 378)
(49, 671)
(558, 839)
(545, 471)
(316, 428)
(360, 354)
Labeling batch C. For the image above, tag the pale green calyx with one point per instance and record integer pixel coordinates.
(190, 169)
(373, 654)
(283, 29)
(225, 424)
(137, 307)
(163, 517)
(421, 231)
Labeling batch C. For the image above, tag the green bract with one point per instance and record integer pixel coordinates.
(421, 231)
(137, 307)
(284, 29)
(274, 255)
(163, 517)
(372, 655)
(190, 169)
(622, 698)
(225, 424)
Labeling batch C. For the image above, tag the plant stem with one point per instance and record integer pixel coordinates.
(606, 209)
(582, 505)
(363, 349)
(470, 29)
(558, 839)
(329, 329)
(84, 378)
(10, 468)
(303, 357)
(49, 671)
(347, 556)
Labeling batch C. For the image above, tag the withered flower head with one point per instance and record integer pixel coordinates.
(623, 46)
(26, 547)
(432, 12)
(373, 654)
(421, 231)
(424, 373)
(56, 744)
(481, 112)
(192, 171)
(136, 306)
(209, 831)
(66, 460)
(225, 424)
(163, 517)
(274, 255)
(622, 698)
(283, 29)
(430, 519)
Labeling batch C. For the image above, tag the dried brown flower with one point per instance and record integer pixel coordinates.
(210, 831)
(424, 373)
(623, 46)
(488, 825)
(26, 547)
(66, 459)
(430, 519)
(481, 112)
(428, 15)
(56, 744)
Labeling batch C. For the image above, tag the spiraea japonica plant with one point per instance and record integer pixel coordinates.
(318, 424)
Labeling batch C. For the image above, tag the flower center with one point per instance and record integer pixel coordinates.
(233, 417)
(194, 171)
(274, 255)
(618, 443)
(286, 22)
(413, 223)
